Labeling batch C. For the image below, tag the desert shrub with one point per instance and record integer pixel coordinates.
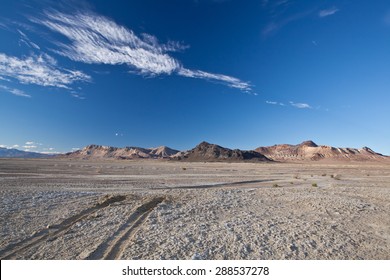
(275, 185)
(336, 176)
(323, 175)
(314, 185)
(184, 168)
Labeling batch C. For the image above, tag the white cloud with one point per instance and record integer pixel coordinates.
(40, 70)
(275, 25)
(3, 146)
(328, 12)
(78, 96)
(25, 40)
(95, 39)
(14, 91)
(296, 105)
(300, 105)
(275, 103)
(15, 146)
(227, 80)
(29, 146)
(29, 143)
(5, 79)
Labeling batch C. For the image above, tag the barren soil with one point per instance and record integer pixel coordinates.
(75, 209)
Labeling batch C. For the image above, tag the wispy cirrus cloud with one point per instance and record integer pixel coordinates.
(300, 105)
(293, 104)
(14, 91)
(328, 12)
(275, 103)
(39, 70)
(95, 39)
(29, 147)
(276, 25)
(227, 80)
(25, 40)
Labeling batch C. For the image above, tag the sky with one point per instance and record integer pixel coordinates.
(241, 74)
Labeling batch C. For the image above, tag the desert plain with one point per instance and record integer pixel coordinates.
(156, 209)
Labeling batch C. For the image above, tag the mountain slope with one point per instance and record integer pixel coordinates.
(308, 150)
(211, 152)
(98, 151)
(14, 153)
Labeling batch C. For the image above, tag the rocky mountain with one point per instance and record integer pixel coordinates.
(14, 153)
(308, 150)
(211, 152)
(98, 151)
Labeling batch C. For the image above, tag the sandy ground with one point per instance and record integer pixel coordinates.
(74, 209)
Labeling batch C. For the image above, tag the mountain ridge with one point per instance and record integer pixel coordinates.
(15, 153)
(310, 151)
(204, 151)
(100, 151)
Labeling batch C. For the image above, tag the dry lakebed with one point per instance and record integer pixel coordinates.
(154, 209)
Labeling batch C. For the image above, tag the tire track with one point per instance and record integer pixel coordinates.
(216, 185)
(113, 248)
(14, 250)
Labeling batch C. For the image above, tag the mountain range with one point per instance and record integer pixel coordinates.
(97, 151)
(15, 153)
(310, 151)
(306, 151)
(303, 152)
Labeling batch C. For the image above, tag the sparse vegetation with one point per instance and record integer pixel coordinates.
(314, 185)
(275, 185)
(184, 168)
(292, 183)
(323, 175)
(297, 176)
(336, 176)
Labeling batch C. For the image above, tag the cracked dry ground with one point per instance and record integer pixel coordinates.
(61, 209)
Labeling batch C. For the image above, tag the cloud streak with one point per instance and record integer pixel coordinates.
(39, 70)
(275, 26)
(95, 39)
(227, 80)
(14, 91)
(25, 40)
(300, 105)
(328, 12)
(296, 105)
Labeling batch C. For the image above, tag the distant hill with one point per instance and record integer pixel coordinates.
(309, 150)
(211, 152)
(98, 151)
(14, 153)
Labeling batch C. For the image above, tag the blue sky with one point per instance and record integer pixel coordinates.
(241, 74)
